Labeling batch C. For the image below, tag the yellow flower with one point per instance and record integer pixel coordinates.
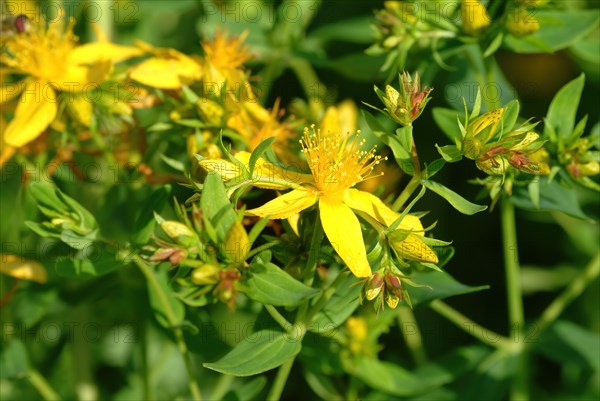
(474, 17)
(18, 267)
(255, 124)
(224, 58)
(520, 22)
(167, 69)
(341, 118)
(51, 61)
(336, 168)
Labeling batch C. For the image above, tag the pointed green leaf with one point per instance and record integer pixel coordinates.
(457, 201)
(168, 310)
(563, 109)
(258, 353)
(439, 284)
(268, 284)
(216, 206)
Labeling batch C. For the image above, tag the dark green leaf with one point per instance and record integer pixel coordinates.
(339, 307)
(567, 342)
(442, 285)
(385, 376)
(261, 351)
(553, 197)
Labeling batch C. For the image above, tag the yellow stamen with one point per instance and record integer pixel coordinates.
(337, 163)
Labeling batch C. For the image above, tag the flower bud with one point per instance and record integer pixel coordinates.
(374, 286)
(179, 232)
(496, 165)
(475, 18)
(520, 22)
(206, 274)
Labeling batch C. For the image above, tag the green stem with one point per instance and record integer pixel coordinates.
(278, 317)
(313, 89)
(177, 331)
(414, 182)
(573, 290)
(481, 333)
(107, 17)
(280, 380)
(519, 389)
(412, 335)
(42, 386)
(222, 386)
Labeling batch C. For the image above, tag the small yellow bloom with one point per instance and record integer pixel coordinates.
(224, 58)
(52, 62)
(167, 69)
(336, 167)
(18, 267)
(520, 22)
(474, 17)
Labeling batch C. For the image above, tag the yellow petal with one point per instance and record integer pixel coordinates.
(374, 207)
(35, 111)
(348, 115)
(293, 220)
(81, 108)
(343, 231)
(330, 123)
(98, 51)
(414, 248)
(18, 267)
(166, 73)
(77, 77)
(286, 205)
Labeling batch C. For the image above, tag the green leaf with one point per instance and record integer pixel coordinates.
(216, 206)
(261, 351)
(446, 120)
(339, 307)
(509, 117)
(404, 134)
(260, 149)
(13, 358)
(168, 310)
(449, 153)
(355, 30)
(457, 201)
(434, 167)
(559, 29)
(491, 379)
(268, 284)
(403, 157)
(563, 109)
(552, 197)
(442, 284)
(78, 241)
(494, 45)
(567, 342)
(101, 261)
(385, 376)
(358, 67)
(145, 222)
(247, 391)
